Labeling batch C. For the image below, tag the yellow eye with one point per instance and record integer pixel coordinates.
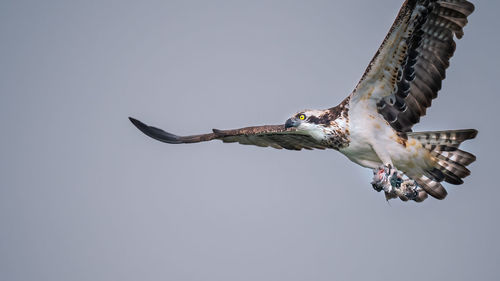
(302, 117)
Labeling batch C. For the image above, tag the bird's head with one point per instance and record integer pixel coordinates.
(320, 124)
(308, 120)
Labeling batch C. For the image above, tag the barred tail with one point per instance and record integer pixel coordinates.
(451, 162)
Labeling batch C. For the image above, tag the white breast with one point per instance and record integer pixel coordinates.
(368, 128)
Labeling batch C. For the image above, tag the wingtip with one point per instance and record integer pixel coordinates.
(136, 122)
(155, 133)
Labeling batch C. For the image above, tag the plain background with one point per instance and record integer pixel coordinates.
(85, 196)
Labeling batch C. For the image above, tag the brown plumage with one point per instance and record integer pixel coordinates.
(276, 136)
(424, 57)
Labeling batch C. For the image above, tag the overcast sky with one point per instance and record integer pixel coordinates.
(85, 196)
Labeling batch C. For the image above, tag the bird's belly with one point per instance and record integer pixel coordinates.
(402, 158)
(367, 159)
(361, 152)
(368, 130)
(411, 158)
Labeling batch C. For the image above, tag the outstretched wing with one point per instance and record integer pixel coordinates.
(407, 70)
(269, 135)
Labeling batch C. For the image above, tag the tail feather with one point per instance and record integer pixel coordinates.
(433, 188)
(452, 138)
(457, 156)
(450, 161)
(451, 177)
(454, 168)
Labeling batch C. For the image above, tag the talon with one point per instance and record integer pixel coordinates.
(396, 180)
(394, 184)
(377, 186)
(410, 189)
(381, 179)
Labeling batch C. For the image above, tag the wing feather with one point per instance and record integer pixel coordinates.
(412, 60)
(276, 136)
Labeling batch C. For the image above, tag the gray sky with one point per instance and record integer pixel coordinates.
(86, 196)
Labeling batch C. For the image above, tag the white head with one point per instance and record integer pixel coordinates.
(307, 118)
(314, 122)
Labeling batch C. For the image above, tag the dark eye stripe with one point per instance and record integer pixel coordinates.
(313, 119)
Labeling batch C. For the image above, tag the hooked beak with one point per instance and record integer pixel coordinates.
(290, 123)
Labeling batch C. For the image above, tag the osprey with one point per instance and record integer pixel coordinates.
(373, 125)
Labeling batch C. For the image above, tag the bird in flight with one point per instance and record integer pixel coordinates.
(373, 125)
